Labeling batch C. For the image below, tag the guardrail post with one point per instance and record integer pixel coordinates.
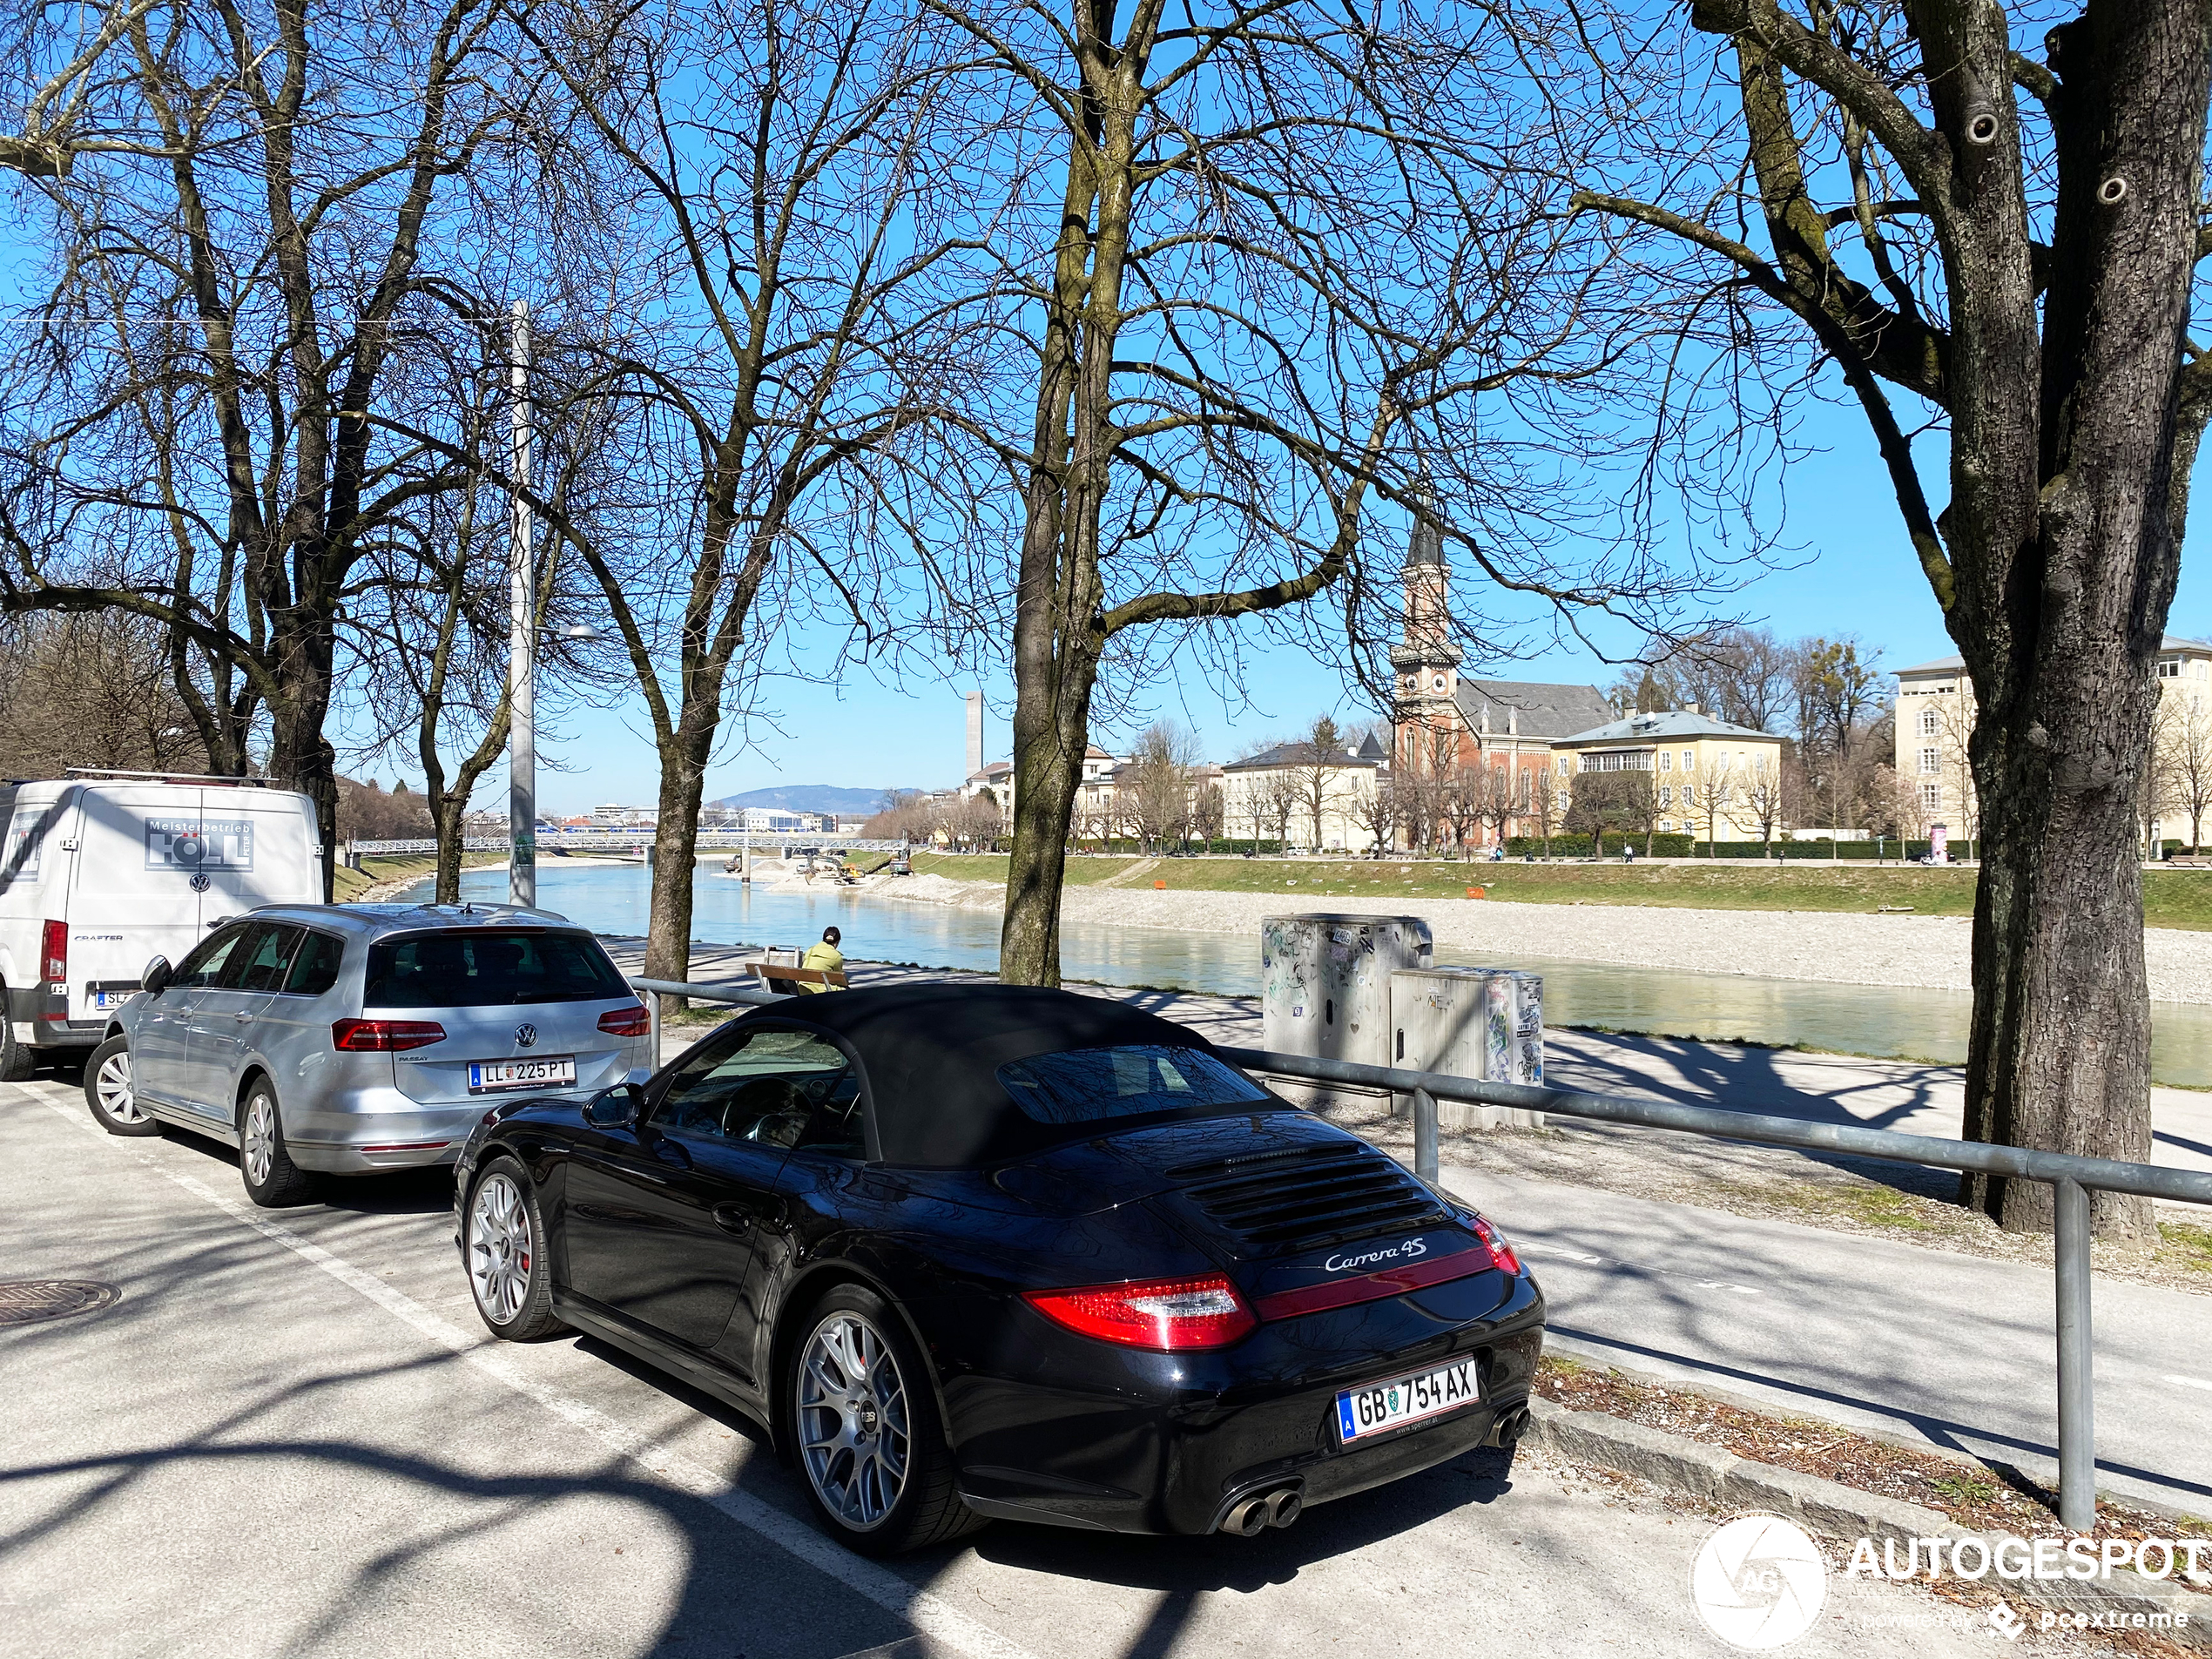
(652, 1017)
(2077, 1432)
(1424, 1134)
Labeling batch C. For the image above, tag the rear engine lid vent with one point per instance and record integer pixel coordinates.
(1303, 1197)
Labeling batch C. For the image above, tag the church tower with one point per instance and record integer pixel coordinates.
(1425, 661)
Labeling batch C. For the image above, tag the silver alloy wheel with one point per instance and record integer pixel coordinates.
(112, 1085)
(500, 1253)
(854, 1437)
(258, 1146)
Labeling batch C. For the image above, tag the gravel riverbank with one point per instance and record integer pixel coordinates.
(1835, 946)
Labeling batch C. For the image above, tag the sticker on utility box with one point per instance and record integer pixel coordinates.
(200, 844)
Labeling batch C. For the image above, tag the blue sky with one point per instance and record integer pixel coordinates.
(1855, 574)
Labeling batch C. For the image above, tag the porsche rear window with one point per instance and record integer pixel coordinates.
(1093, 1085)
(473, 969)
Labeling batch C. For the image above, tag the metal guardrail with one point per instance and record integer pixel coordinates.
(2071, 1178)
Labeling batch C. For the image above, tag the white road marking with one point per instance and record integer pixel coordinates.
(2191, 1382)
(927, 1613)
(1571, 1255)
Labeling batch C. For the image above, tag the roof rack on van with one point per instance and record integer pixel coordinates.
(162, 776)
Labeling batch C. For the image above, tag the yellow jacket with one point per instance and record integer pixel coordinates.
(825, 956)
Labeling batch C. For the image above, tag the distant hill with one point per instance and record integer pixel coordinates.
(809, 798)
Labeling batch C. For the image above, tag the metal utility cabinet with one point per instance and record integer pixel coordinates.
(1482, 1022)
(1325, 982)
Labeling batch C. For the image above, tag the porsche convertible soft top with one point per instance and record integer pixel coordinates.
(938, 1059)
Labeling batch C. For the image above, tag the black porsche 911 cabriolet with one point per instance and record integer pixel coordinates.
(972, 1251)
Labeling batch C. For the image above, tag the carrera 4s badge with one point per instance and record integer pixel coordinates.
(1411, 1250)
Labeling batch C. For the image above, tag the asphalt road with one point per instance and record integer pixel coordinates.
(290, 1436)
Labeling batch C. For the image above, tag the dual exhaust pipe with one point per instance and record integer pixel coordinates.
(1250, 1516)
(1255, 1513)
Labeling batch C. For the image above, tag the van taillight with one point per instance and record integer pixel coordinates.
(632, 1021)
(384, 1036)
(53, 951)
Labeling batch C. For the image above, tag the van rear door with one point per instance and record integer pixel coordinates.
(132, 895)
(257, 847)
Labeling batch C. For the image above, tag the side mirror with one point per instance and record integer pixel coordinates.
(156, 978)
(615, 1107)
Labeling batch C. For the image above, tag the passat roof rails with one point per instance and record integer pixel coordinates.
(162, 776)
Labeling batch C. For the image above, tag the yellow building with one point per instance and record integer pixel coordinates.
(1935, 716)
(1709, 778)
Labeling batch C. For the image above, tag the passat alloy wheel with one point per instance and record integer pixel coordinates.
(110, 1091)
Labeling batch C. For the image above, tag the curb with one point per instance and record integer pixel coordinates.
(1727, 1482)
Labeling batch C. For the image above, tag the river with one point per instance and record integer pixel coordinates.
(1913, 1023)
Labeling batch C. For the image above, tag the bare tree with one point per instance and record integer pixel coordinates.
(1767, 795)
(90, 689)
(2191, 749)
(767, 373)
(1716, 792)
(234, 275)
(1154, 786)
(1318, 766)
(1377, 811)
(2031, 262)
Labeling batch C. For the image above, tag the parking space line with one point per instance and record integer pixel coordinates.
(930, 1615)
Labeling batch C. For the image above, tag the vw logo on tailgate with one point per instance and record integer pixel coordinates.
(526, 1037)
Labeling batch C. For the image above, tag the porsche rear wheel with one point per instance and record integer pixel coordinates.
(865, 1428)
(505, 1251)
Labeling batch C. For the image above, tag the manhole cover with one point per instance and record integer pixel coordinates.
(23, 1300)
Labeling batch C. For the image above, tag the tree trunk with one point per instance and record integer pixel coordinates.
(1051, 732)
(676, 839)
(446, 813)
(300, 757)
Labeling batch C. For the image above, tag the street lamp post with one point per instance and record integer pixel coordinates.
(522, 635)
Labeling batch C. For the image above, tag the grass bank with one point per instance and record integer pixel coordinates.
(377, 869)
(2171, 897)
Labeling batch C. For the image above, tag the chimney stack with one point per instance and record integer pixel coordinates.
(974, 732)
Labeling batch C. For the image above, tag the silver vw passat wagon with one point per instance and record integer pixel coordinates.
(349, 1038)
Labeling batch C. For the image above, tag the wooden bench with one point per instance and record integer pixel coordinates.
(833, 977)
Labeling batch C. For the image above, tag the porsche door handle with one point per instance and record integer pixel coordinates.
(737, 1218)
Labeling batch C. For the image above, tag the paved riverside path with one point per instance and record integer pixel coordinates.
(1960, 1350)
(292, 1437)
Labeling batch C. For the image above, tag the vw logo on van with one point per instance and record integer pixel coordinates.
(526, 1037)
(200, 881)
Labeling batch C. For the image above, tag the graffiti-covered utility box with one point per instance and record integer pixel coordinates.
(1325, 982)
(1482, 1022)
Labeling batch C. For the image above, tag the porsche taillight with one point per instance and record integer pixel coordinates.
(632, 1021)
(53, 951)
(384, 1036)
(1501, 1253)
(1169, 1315)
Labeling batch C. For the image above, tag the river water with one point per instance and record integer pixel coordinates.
(1845, 1019)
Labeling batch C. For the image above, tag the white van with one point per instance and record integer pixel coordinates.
(102, 870)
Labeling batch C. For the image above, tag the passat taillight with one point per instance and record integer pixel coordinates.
(1500, 1252)
(53, 951)
(632, 1021)
(1169, 1314)
(384, 1036)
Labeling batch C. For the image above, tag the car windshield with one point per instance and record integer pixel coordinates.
(1091, 1085)
(488, 967)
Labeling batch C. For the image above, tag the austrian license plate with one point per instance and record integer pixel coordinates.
(490, 1077)
(112, 998)
(1379, 1407)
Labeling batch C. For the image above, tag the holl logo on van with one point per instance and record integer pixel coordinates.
(198, 844)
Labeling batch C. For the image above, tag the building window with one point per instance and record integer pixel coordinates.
(1927, 723)
(1563, 801)
(1932, 796)
(1690, 795)
(1666, 761)
(1689, 760)
(1931, 762)
(1618, 760)
(2169, 668)
(1666, 795)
